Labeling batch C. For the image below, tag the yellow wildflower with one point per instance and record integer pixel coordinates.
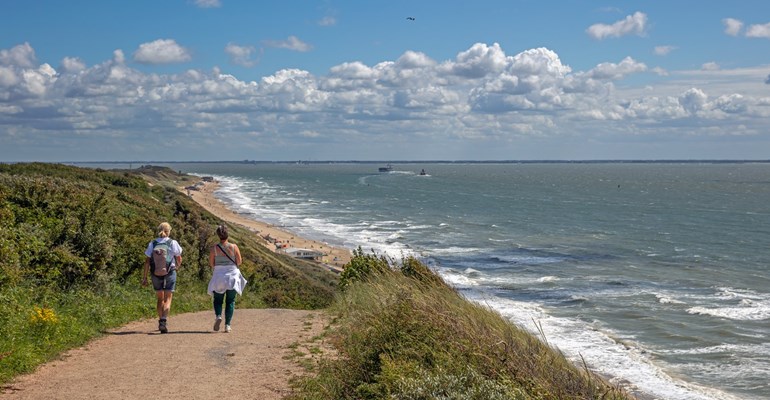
(43, 315)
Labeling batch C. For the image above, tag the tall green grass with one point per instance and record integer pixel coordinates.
(401, 333)
(71, 257)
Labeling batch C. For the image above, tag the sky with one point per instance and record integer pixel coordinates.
(209, 80)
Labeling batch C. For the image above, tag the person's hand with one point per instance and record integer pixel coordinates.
(144, 281)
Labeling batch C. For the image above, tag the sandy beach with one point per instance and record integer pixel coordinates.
(272, 237)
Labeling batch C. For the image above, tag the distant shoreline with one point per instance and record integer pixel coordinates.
(299, 162)
(270, 236)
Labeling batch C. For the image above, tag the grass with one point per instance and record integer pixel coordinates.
(72, 240)
(402, 333)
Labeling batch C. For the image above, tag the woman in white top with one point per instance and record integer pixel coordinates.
(166, 284)
(226, 279)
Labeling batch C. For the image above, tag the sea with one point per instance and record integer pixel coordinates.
(656, 275)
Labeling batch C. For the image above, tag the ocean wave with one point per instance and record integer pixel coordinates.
(742, 305)
(758, 350)
(752, 312)
(606, 352)
(666, 299)
(455, 251)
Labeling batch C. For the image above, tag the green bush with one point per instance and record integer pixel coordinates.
(362, 266)
(402, 333)
(72, 243)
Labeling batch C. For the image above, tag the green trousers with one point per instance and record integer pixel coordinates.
(229, 299)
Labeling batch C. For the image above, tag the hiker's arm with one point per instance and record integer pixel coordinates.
(178, 262)
(238, 259)
(145, 270)
(212, 255)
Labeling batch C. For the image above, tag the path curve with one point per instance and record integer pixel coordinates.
(190, 362)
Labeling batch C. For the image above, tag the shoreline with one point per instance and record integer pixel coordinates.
(268, 235)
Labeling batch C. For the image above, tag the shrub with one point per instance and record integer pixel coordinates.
(402, 333)
(362, 266)
(72, 243)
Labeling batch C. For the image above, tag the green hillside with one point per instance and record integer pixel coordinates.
(72, 243)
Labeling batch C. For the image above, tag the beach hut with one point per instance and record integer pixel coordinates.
(305, 254)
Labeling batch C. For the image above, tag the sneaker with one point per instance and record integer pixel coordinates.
(162, 326)
(227, 329)
(217, 323)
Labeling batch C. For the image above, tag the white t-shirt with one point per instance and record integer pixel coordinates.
(176, 249)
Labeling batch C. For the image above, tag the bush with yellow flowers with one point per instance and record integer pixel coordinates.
(43, 316)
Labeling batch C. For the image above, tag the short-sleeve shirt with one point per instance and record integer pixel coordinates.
(176, 249)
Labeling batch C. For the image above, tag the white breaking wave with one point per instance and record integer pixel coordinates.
(744, 305)
(740, 313)
(624, 360)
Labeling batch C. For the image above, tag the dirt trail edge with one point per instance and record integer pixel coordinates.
(192, 361)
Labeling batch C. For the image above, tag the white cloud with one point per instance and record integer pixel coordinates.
(664, 50)
(72, 65)
(291, 43)
(693, 100)
(327, 21)
(7, 76)
(208, 3)
(617, 71)
(37, 81)
(414, 60)
(732, 26)
(22, 56)
(478, 61)
(482, 94)
(758, 31)
(710, 66)
(241, 55)
(10, 109)
(161, 51)
(632, 25)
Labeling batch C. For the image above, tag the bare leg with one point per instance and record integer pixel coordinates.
(167, 296)
(159, 306)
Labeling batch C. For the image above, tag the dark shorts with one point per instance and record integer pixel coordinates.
(166, 283)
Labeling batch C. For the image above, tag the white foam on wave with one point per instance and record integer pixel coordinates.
(740, 313)
(453, 251)
(258, 200)
(471, 277)
(396, 236)
(760, 350)
(748, 362)
(460, 280)
(623, 360)
(738, 305)
(666, 299)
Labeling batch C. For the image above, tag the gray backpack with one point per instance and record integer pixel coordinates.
(160, 262)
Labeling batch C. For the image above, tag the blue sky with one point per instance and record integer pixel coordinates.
(357, 80)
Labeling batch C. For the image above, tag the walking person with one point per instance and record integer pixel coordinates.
(226, 279)
(163, 259)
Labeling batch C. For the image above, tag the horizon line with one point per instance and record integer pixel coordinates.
(469, 161)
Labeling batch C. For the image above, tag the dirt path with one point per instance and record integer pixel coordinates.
(192, 361)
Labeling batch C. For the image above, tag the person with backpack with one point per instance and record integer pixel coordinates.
(226, 279)
(163, 259)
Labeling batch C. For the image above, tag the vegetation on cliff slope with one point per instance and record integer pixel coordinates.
(72, 243)
(400, 332)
